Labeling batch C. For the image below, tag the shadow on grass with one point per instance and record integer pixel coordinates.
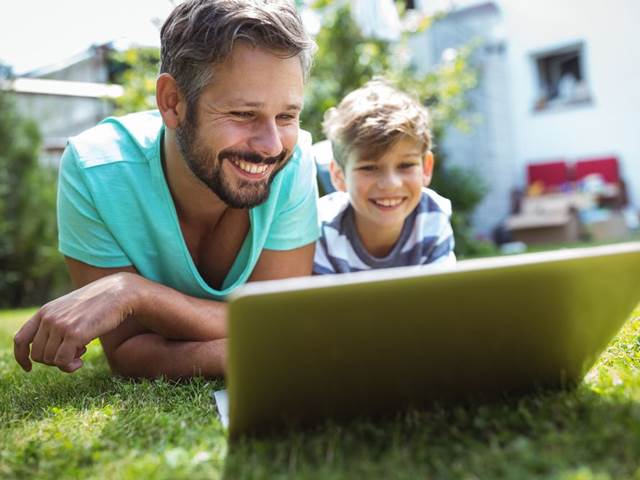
(543, 435)
(33, 394)
(578, 433)
(92, 423)
(548, 434)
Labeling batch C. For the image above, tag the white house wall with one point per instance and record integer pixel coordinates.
(60, 117)
(610, 123)
(486, 150)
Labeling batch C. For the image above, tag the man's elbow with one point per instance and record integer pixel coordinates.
(124, 363)
(118, 365)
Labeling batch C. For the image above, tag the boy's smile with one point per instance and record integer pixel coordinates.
(388, 203)
(384, 192)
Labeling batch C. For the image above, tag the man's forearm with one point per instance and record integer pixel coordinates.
(167, 333)
(150, 355)
(146, 329)
(177, 316)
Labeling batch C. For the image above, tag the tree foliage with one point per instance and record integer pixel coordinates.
(31, 269)
(136, 69)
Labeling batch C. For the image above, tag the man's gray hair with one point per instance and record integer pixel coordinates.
(200, 34)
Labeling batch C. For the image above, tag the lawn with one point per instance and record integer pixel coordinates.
(92, 425)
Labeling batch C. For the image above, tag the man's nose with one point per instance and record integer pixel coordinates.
(266, 139)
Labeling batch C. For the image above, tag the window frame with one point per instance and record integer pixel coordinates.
(542, 101)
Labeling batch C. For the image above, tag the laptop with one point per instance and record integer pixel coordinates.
(373, 343)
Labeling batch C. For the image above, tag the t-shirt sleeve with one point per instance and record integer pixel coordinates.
(442, 253)
(82, 234)
(321, 263)
(296, 222)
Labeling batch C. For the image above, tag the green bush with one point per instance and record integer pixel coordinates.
(31, 269)
(136, 69)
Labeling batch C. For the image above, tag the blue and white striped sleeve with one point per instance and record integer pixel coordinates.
(443, 252)
(321, 263)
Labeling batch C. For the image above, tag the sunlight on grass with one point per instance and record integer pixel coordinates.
(93, 425)
(619, 365)
(583, 473)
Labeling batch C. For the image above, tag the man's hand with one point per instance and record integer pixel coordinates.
(147, 329)
(59, 332)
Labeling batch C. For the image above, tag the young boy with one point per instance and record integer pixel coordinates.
(382, 214)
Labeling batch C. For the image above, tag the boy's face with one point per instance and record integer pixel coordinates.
(384, 192)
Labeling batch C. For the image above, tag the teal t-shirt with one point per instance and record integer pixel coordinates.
(115, 208)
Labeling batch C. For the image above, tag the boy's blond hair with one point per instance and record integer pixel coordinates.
(369, 120)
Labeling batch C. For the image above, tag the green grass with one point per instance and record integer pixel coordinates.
(92, 425)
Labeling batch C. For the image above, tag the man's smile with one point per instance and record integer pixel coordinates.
(251, 168)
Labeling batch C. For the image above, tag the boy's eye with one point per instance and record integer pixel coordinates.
(367, 168)
(407, 165)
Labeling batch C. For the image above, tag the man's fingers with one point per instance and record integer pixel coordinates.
(76, 363)
(68, 353)
(23, 339)
(38, 344)
(71, 367)
(50, 350)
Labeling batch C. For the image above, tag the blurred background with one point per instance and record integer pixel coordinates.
(535, 109)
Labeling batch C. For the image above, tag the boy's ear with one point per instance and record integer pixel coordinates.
(427, 168)
(337, 176)
(170, 102)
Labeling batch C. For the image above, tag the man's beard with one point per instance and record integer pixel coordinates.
(207, 167)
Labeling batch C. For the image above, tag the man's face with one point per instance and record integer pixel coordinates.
(245, 126)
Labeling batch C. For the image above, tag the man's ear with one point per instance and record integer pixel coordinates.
(170, 101)
(427, 168)
(337, 176)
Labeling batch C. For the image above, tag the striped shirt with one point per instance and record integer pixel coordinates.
(426, 237)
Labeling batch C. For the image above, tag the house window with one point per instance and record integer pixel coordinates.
(409, 4)
(561, 78)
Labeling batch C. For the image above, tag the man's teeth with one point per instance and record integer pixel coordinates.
(388, 202)
(250, 167)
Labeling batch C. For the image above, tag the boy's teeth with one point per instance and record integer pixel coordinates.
(389, 202)
(250, 167)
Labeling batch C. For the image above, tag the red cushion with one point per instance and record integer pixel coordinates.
(551, 174)
(607, 167)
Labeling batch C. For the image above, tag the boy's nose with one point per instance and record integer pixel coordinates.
(389, 180)
(266, 139)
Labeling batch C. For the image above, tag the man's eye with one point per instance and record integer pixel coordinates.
(242, 114)
(287, 117)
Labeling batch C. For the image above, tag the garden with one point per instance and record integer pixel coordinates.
(92, 424)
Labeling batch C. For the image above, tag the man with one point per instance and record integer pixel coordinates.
(163, 214)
